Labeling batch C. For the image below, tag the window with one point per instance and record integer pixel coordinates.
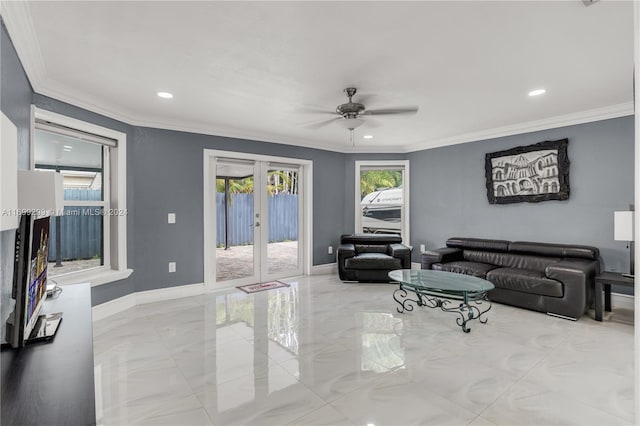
(382, 197)
(88, 243)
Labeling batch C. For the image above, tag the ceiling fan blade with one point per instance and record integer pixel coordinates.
(391, 111)
(319, 124)
(310, 110)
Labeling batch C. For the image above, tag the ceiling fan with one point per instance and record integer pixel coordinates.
(351, 113)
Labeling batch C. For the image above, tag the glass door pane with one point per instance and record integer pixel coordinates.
(283, 201)
(235, 220)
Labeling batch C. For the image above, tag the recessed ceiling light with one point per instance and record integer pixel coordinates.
(537, 92)
(368, 136)
(165, 95)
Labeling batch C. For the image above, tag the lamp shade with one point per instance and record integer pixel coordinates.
(40, 192)
(623, 226)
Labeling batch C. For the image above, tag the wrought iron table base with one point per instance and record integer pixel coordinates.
(469, 308)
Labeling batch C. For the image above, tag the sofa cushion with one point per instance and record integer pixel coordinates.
(378, 248)
(370, 238)
(464, 267)
(558, 250)
(526, 281)
(373, 261)
(510, 260)
(478, 244)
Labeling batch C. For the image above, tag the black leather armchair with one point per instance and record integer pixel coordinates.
(370, 257)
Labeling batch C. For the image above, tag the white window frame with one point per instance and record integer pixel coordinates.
(115, 193)
(382, 164)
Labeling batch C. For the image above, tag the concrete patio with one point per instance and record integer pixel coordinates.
(237, 261)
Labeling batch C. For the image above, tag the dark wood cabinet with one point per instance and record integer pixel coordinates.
(52, 383)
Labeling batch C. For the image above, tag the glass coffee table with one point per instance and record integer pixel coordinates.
(464, 295)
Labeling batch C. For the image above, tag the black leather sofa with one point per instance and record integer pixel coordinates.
(370, 257)
(553, 278)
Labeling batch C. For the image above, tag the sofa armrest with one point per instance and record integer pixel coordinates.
(344, 252)
(577, 278)
(402, 252)
(441, 255)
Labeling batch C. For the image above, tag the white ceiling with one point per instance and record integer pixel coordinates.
(252, 69)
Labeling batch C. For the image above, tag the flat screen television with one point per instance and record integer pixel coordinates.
(29, 279)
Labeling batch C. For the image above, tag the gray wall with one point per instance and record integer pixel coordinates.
(168, 176)
(448, 197)
(448, 193)
(160, 165)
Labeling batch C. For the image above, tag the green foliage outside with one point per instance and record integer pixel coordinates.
(278, 181)
(376, 180)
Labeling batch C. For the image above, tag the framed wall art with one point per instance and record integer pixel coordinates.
(532, 173)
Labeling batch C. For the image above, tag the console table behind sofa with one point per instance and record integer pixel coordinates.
(554, 278)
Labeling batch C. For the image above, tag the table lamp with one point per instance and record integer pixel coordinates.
(623, 231)
(41, 192)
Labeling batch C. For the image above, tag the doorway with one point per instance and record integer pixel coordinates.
(256, 218)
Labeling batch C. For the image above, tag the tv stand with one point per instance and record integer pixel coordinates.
(53, 383)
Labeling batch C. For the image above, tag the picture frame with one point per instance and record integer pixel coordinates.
(532, 173)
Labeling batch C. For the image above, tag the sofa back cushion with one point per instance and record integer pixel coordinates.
(525, 248)
(557, 250)
(370, 248)
(478, 244)
(370, 239)
(509, 260)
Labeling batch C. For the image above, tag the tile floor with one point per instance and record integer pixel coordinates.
(326, 353)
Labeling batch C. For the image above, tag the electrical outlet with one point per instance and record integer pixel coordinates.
(330, 251)
(171, 218)
(172, 266)
(422, 248)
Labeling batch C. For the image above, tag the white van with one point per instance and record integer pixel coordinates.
(382, 212)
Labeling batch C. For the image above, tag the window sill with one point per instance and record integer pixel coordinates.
(96, 277)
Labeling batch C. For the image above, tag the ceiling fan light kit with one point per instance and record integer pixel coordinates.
(350, 123)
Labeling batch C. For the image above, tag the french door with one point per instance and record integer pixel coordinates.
(254, 220)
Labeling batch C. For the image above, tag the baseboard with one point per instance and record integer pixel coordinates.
(325, 269)
(123, 303)
(175, 292)
(622, 301)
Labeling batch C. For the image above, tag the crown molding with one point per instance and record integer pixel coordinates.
(597, 114)
(229, 132)
(17, 18)
(581, 117)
